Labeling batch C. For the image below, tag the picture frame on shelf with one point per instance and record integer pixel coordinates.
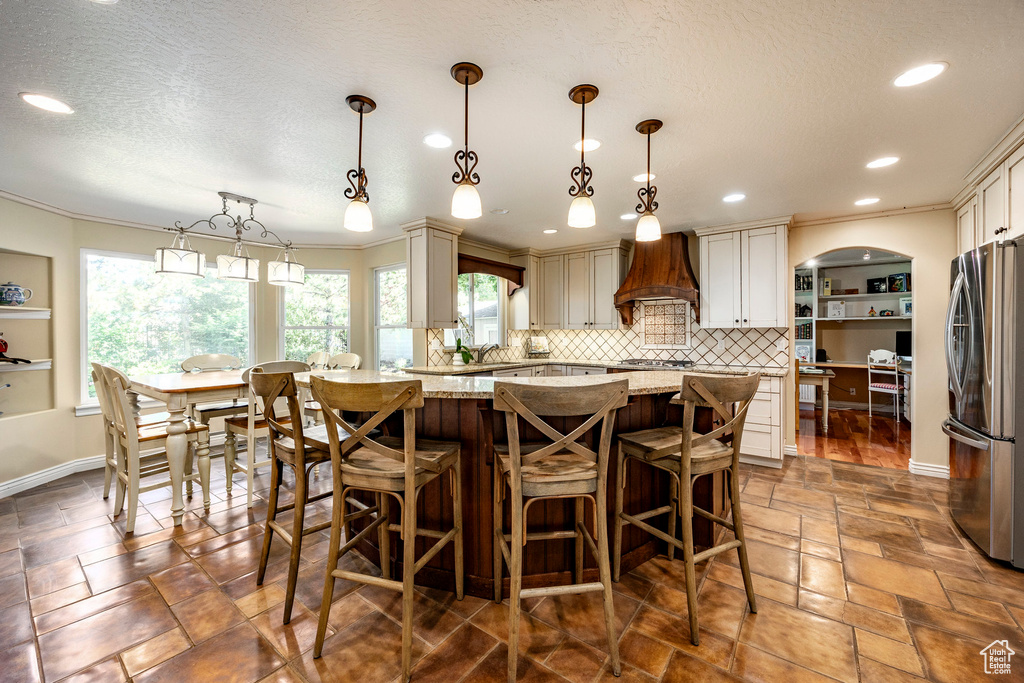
(803, 353)
(878, 285)
(899, 282)
(906, 306)
(836, 309)
(826, 286)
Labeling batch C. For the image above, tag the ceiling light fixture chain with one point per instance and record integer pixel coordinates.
(357, 176)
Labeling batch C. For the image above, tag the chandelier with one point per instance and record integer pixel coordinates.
(181, 259)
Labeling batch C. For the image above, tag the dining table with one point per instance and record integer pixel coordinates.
(179, 390)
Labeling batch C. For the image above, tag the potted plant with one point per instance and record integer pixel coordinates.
(462, 355)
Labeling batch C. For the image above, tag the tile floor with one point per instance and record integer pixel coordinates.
(859, 572)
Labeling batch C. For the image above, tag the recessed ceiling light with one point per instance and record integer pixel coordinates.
(737, 197)
(590, 144)
(550, 231)
(920, 74)
(867, 255)
(866, 201)
(811, 263)
(628, 216)
(105, 2)
(437, 140)
(47, 103)
(499, 212)
(884, 161)
(642, 177)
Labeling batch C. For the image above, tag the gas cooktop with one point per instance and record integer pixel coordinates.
(686, 362)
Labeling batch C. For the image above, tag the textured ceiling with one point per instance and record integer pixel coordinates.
(785, 100)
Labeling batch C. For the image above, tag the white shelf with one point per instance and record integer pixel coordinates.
(873, 317)
(24, 313)
(41, 364)
(880, 295)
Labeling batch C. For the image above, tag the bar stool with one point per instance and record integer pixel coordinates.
(687, 456)
(290, 446)
(389, 467)
(559, 468)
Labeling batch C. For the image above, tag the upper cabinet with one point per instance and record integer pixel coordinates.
(991, 205)
(1015, 194)
(996, 208)
(570, 290)
(743, 276)
(966, 225)
(432, 257)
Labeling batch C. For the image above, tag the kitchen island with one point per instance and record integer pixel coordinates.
(458, 408)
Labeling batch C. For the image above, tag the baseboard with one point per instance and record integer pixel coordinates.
(761, 462)
(929, 470)
(789, 450)
(93, 462)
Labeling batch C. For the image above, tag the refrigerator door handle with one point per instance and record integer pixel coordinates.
(954, 296)
(947, 428)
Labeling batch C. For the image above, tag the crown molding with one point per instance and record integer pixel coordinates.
(430, 222)
(876, 214)
(746, 225)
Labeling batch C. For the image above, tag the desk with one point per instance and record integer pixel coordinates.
(179, 390)
(905, 368)
(820, 380)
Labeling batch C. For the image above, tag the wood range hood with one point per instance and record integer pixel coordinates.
(660, 270)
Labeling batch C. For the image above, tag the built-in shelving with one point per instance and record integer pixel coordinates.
(40, 364)
(878, 295)
(872, 317)
(24, 313)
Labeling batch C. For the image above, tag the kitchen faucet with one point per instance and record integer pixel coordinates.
(483, 350)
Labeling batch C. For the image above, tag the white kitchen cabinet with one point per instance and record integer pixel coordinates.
(743, 277)
(432, 257)
(576, 293)
(607, 270)
(991, 205)
(551, 292)
(966, 225)
(580, 370)
(518, 372)
(762, 432)
(553, 371)
(1015, 194)
(525, 306)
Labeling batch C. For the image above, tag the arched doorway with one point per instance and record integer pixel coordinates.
(850, 303)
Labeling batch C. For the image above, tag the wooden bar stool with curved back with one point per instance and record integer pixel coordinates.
(133, 438)
(339, 361)
(390, 467)
(562, 467)
(252, 425)
(687, 456)
(290, 445)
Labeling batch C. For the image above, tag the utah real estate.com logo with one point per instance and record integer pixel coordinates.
(997, 657)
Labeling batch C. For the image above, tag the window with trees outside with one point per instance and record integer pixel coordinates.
(145, 323)
(317, 316)
(393, 340)
(481, 309)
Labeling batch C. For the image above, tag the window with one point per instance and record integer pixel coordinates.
(482, 309)
(316, 317)
(143, 323)
(393, 343)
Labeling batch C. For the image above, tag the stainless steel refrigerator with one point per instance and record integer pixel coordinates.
(984, 327)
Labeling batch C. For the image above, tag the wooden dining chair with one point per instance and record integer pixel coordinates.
(211, 362)
(884, 378)
(318, 360)
(300, 449)
(687, 455)
(133, 439)
(110, 440)
(389, 467)
(251, 426)
(340, 361)
(560, 467)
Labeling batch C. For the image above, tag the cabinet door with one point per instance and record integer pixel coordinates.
(553, 371)
(720, 280)
(442, 280)
(965, 225)
(577, 371)
(551, 292)
(991, 206)
(576, 314)
(763, 291)
(524, 307)
(1015, 194)
(604, 281)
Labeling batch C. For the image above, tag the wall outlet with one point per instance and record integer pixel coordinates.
(720, 345)
(853, 391)
(782, 345)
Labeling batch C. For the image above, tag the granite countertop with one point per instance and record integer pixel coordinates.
(474, 368)
(469, 387)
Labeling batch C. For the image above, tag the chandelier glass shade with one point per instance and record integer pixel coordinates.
(648, 228)
(286, 272)
(238, 266)
(358, 217)
(466, 201)
(582, 213)
(180, 258)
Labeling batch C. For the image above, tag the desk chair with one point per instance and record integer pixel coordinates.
(884, 378)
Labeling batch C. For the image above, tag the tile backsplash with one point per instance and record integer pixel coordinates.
(658, 333)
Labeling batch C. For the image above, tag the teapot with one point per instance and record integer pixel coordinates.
(14, 295)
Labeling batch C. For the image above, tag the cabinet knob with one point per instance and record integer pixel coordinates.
(737, 320)
(744, 320)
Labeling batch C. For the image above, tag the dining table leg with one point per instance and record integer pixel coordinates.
(176, 445)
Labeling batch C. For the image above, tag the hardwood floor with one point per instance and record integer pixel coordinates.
(853, 437)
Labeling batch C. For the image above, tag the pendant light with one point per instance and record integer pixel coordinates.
(466, 200)
(238, 265)
(648, 228)
(286, 272)
(357, 216)
(581, 211)
(180, 258)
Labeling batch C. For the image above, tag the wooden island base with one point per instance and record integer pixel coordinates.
(476, 426)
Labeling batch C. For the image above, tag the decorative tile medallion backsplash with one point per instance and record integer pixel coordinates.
(742, 346)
